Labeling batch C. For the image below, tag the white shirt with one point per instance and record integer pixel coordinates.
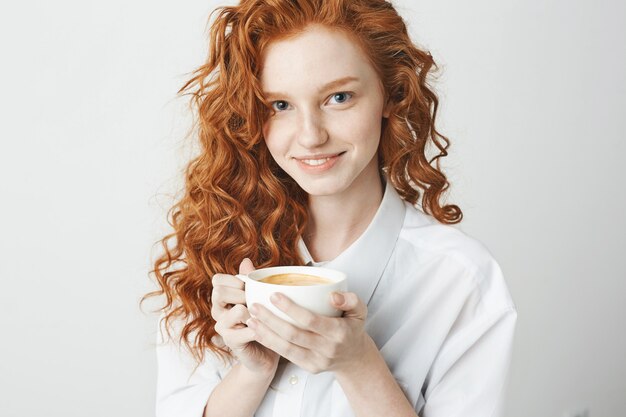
(439, 312)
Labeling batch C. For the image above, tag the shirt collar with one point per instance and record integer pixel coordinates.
(366, 258)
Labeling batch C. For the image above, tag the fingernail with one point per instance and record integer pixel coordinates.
(275, 298)
(251, 323)
(253, 309)
(338, 299)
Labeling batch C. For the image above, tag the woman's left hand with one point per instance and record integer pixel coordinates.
(322, 343)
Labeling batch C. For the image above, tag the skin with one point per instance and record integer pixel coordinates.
(314, 118)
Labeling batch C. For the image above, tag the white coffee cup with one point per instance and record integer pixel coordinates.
(315, 298)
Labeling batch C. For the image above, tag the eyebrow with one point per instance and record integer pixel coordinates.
(328, 86)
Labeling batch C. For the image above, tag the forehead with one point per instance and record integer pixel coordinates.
(312, 58)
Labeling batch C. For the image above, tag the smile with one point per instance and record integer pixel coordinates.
(315, 161)
(319, 163)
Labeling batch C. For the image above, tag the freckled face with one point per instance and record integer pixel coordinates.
(329, 104)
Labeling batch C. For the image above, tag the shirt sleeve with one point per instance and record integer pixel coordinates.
(183, 385)
(469, 376)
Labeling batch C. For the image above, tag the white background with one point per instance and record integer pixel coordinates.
(533, 98)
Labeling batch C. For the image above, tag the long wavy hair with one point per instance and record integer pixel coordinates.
(237, 202)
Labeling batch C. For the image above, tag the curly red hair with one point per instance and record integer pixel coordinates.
(238, 203)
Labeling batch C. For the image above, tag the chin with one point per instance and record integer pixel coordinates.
(323, 187)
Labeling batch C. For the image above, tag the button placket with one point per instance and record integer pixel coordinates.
(288, 400)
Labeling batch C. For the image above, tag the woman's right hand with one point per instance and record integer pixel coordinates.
(230, 314)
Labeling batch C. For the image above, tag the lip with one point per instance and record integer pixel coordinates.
(333, 158)
(318, 156)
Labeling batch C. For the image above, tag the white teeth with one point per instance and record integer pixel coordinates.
(315, 161)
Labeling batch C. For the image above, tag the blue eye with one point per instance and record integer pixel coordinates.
(280, 105)
(341, 97)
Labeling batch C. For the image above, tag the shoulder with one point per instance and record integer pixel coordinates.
(425, 233)
(453, 254)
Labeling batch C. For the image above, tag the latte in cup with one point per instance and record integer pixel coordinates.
(308, 286)
(295, 279)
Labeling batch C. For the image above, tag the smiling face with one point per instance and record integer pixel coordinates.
(329, 104)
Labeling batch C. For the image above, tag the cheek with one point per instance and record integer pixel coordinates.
(363, 127)
(274, 138)
(269, 134)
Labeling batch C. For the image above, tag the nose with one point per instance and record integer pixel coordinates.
(312, 132)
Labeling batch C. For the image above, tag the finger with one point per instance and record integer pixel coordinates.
(246, 266)
(237, 338)
(268, 338)
(236, 317)
(223, 298)
(226, 280)
(350, 304)
(222, 295)
(286, 330)
(305, 318)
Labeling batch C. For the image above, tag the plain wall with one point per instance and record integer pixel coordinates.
(533, 99)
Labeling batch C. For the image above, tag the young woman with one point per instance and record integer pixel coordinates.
(315, 120)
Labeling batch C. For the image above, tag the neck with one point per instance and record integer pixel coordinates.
(336, 221)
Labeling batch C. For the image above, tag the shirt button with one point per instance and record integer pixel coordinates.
(293, 379)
